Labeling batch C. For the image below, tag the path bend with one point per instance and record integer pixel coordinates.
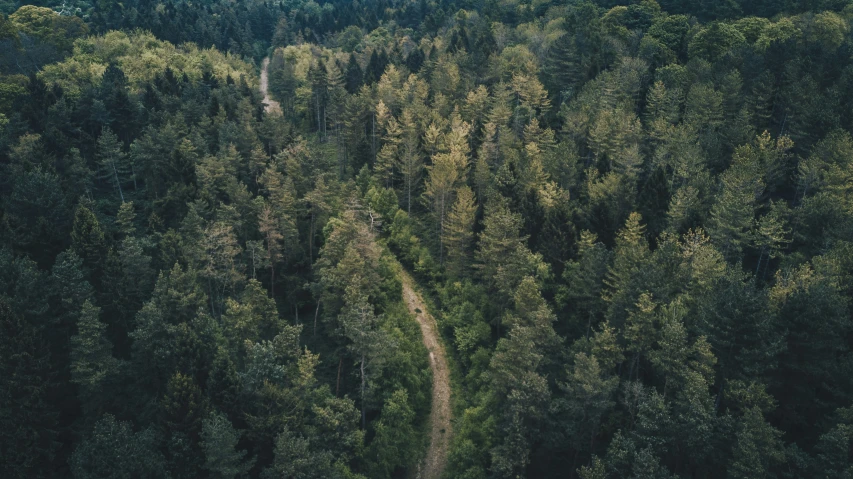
(440, 415)
(269, 104)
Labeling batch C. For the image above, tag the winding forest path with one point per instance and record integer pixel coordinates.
(439, 417)
(269, 103)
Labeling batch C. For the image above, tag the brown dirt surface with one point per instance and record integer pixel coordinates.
(440, 431)
(269, 104)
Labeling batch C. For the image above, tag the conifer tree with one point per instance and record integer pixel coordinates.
(92, 361)
(410, 159)
(87, 238)
(219, 442)
(502, 257)
(460, 232)
(624, 277)
(114, 450)
(28, 436)
(733, 214)
(269, 229)
(354, 75)
(113, 161)
(394, 444)
(447, 172)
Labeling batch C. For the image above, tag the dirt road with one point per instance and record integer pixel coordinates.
(439, 419)
(269, 103)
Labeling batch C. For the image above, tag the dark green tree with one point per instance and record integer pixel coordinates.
(219, 442)
(114, 451)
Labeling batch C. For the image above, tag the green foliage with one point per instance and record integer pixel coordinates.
(502, 258)
(36, 213)
(113, 450)
(632, 221)
(219, 442)
(91, 352)
(28, 438)
(394, 444)
(141, 57)
(293, 458)
(758, 447)
(715, 41)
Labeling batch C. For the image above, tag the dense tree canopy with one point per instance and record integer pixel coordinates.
(633, 221)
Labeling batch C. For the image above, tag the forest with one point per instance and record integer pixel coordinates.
(476, 239)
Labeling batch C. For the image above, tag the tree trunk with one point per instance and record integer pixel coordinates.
(118, 185)
(133, 172)
(272, 279)
(317, 104)
(212, 308)
(720, 393)
(363, 386)
(338, 386)
(272, 267)
(316, 313)
(760, 257)
(311, 239)
(441, 231)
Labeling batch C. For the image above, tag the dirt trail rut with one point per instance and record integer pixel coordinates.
(269, 103)
(439, 419)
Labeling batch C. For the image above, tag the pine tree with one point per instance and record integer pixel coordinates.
(518, 380)
(387, 157)
(219, 443)
(269, 229)
(114, 450)
(732, 215)
(584, 281)
(295, 457)
(224, 387)
(758, 448)
(87, 239)
(318, 76)
(502, 256)
(318, 203)
(460, 232)
(564, 71)
(28, 435)
(808, 309)
(410, 158)
(589, 392)
(183, 408)
(394, 443)
(282, 194)
(92, 361)
(354, 75)
(770, 234)
(760, 102)
(368, 344)
(447, 172)
(833, 457)
(624, 276)
(113, 161)
(349, 260)
(661, 105)
(125, 219)
(375, 67)
(220, 265)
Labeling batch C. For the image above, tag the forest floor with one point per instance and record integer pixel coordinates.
(440, 413)
(269, 103)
